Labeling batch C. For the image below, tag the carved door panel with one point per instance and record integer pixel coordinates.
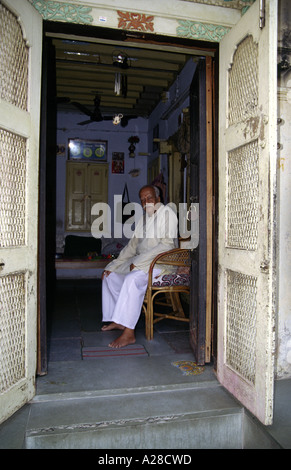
(87, 184)
(21, 28)
(247, 185)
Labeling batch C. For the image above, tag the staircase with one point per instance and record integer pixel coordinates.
(184, 416)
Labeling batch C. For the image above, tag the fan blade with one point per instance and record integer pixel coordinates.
(96, 116)
(125, 119)
(85, 122)
(63, 99)
(82, 108)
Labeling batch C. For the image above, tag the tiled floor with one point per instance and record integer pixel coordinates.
(74, 324)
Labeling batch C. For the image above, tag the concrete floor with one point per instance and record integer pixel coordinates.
(78, 392)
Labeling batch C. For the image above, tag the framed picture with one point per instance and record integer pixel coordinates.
(95, 150)
(61, 150)
(117, 162)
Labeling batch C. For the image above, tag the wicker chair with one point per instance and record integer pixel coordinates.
(171, 285)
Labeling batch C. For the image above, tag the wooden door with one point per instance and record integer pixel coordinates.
(87, 184)
(201, 194)
(247, 224)
(97, 188)
(20, 45)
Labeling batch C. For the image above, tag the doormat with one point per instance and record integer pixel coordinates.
(179, 341)
(188, 367)
(130, 350)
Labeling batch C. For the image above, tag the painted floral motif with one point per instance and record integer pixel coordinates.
(172, 280)
(136, 21)
(188, 367)
(204, 31)
(68, 12)
(238, 4)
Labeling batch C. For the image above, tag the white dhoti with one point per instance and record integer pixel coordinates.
(122, 297)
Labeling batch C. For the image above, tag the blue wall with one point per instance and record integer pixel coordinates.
(117, 138)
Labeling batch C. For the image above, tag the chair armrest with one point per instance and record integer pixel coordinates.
(174, 257)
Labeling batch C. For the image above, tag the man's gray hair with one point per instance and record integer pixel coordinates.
(155, 188)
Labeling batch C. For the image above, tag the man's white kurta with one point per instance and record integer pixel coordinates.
(123, 290)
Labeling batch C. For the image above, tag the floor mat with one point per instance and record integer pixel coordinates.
(179, 341)
(130, 350)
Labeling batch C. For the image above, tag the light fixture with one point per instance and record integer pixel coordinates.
(120, 84)
(117, 118)
(120, 59)
(133, 140)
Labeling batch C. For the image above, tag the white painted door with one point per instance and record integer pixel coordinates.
(20, 73)
(247, 180)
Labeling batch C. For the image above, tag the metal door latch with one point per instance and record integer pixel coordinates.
(262, 14)
(264, 266)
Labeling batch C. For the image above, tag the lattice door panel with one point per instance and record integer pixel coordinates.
(241, 324)
(247, 168)
(242, 197)
(12, 327)
(13, 189)
(243, 82)
(13, 61)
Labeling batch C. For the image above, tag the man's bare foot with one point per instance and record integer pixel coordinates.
(126, 338)
(112, 326)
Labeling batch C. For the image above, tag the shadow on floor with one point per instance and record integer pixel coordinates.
(75, 326)
(77, 319)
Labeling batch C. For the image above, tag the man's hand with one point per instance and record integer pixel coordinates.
(105, 274)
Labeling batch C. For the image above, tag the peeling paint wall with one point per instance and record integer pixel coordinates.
(283, 359)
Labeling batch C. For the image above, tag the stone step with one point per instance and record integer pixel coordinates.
(187, 416)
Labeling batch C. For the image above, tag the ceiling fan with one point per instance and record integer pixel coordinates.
(96, 115)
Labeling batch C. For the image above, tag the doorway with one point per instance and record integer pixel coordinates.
(173, 336)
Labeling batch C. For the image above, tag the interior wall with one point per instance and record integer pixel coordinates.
(117, 139)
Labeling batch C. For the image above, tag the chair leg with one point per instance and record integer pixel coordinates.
(179, 304)
(176, 303)
(149, 329)
(150, 319)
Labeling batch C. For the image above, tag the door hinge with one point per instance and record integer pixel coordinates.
(262, 13)
(264, 266)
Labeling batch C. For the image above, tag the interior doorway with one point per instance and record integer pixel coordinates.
(48, 282)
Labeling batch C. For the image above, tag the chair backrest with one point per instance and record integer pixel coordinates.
(175, 257)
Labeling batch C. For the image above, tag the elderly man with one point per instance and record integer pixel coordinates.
(124, 282)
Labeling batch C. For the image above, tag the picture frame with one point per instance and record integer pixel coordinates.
(89, 150)
(117, 162)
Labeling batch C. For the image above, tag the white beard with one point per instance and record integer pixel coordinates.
(149, 208)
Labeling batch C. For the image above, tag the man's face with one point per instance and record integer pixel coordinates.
(148, 200)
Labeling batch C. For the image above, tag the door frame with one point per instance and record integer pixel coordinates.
(202, 109)
(209, 49)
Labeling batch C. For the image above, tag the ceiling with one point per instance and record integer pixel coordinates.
(85, 69)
